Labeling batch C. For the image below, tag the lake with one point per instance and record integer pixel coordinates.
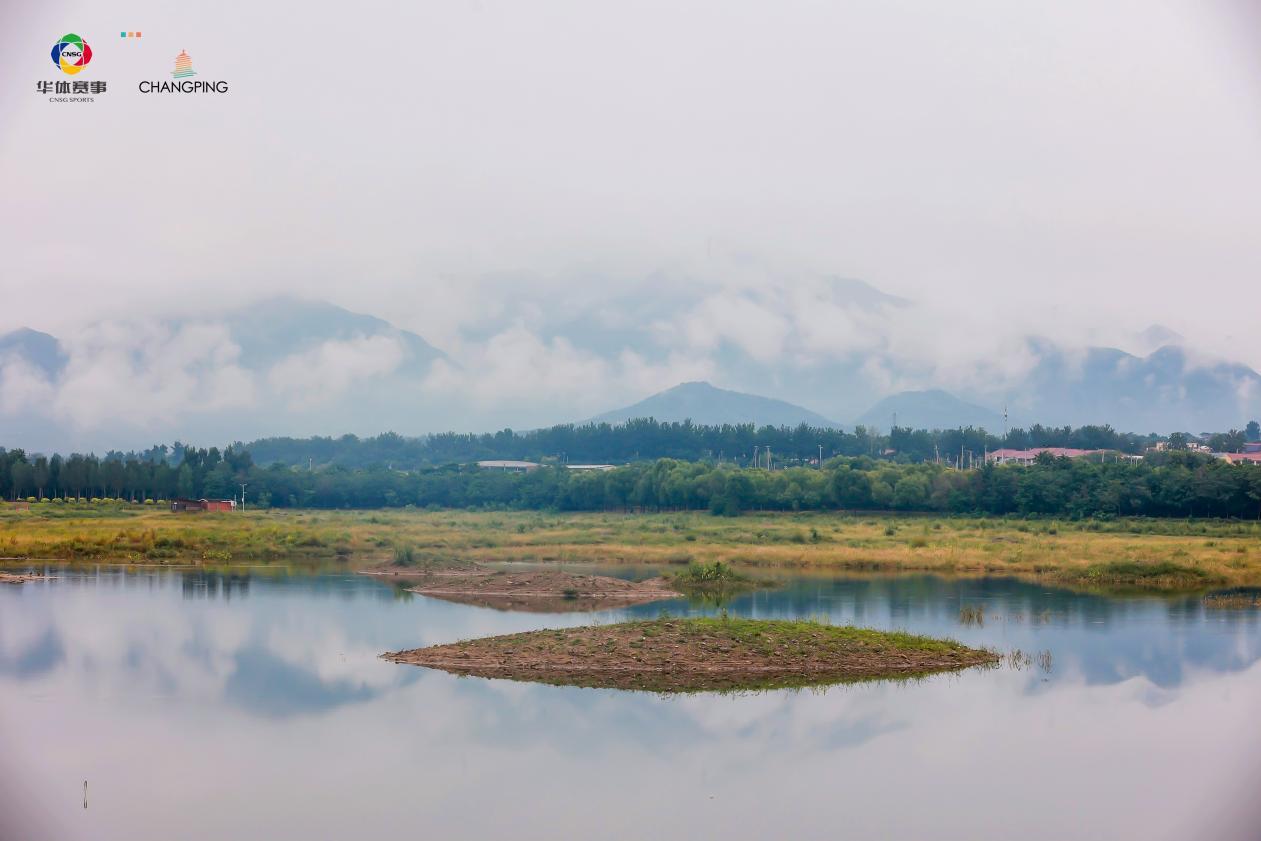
(253, 705)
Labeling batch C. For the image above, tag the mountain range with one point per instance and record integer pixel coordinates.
(298, 367)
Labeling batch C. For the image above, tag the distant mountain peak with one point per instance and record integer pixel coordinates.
(39, 349)
(1158, 335)
(929, 409)
(278, 327)
(704, 403)
(863, 294)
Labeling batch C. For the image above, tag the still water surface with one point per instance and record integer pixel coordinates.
(202, 706)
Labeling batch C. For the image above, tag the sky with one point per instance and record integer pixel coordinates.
(464, 169)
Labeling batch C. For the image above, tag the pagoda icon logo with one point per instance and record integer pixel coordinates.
(182, 83)
(183, 66)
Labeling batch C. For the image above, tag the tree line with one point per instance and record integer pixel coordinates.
(1171, 484)
(158, 473)
(647, 439)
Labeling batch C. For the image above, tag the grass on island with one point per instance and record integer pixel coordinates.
(699, 655)
(1150, 554)
(711, 582)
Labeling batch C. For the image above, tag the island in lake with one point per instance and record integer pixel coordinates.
(699, 654)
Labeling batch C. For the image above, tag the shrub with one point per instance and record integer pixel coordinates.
(716, 572)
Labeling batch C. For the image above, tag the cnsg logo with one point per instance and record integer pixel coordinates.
(71, 54)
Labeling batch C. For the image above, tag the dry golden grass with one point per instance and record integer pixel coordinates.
(1151, 554)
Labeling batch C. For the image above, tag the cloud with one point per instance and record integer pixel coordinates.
(146, 374)
(753, 326)
(325, 372)
(23, 386)
(517, 367)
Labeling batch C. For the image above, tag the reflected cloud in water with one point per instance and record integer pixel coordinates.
(209, 706)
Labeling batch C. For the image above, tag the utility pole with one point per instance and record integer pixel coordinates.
(243, 484)
(755, 461)
(820, 456)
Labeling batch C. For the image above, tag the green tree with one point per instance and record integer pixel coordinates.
(41, 475)
(21, 479)
(1227, 442)
(911, 493)
(184, 486)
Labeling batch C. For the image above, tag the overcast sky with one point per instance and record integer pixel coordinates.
(1078, 168)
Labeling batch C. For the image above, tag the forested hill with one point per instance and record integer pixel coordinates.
(646, 438)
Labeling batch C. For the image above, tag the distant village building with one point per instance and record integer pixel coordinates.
(508, 466)
(195, 505)
(1027, 457)
(1191, 446)
(589, 466)
(1242, 458)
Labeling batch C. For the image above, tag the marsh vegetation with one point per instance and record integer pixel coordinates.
(1148, 554)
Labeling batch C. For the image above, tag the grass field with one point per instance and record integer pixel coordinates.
(1140, 554)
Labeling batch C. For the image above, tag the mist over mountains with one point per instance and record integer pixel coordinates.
(820, 350)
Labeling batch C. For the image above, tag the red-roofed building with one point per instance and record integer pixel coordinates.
(1242, 458)
(193, 505)
(1006, 456)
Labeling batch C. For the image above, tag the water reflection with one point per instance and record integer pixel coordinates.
(264, 690)
(213, 585)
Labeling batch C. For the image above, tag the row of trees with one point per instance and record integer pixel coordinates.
(1178, 484)
(646, 439)
(160, 472)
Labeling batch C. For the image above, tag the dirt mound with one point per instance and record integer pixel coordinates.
(537, 591)
(692, 655)
(21, 577)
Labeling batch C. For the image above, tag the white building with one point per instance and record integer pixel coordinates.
(508, 466)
